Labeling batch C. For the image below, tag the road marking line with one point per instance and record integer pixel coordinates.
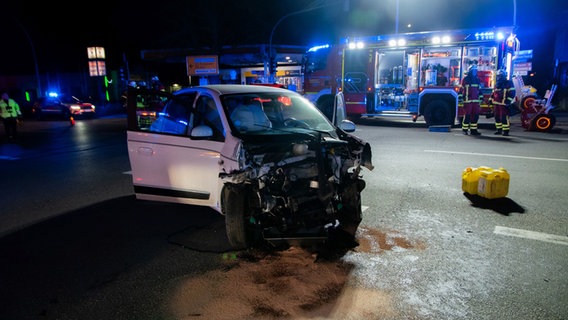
(363, 208)
(127, 172)
(519, 233)
(496, 155)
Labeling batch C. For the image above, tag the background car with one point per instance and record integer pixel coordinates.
(63, 107)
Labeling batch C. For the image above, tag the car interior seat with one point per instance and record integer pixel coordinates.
(250, 117)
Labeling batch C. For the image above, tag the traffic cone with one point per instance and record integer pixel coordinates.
(72, 121)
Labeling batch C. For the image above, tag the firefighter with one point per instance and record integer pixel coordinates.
(469, 94)
(157, 85)
(502, 99)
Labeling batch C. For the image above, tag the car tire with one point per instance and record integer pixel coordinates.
(234, 207)
(352, 214)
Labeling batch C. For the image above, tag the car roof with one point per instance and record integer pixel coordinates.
(222, 89)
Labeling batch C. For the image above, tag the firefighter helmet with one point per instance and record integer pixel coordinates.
(473, 67)
(501, 73)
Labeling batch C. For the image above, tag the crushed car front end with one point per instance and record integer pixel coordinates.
(295, 188)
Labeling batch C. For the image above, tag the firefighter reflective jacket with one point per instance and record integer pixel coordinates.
(503, 94)
(469, 90)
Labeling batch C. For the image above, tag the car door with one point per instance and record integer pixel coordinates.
(169, 163)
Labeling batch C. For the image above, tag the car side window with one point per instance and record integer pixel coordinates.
(148, 108)
(174, 119)
(207, 114)
(159, 112)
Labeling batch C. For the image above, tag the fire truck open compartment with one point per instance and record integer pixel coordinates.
(411, 74)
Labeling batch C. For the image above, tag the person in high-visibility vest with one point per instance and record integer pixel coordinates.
(502, 99)
(470, 95)
(10, 114)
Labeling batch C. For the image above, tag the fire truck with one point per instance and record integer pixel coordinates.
(408, 74)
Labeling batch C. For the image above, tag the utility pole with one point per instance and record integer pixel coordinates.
(40, 91)
(396, 20)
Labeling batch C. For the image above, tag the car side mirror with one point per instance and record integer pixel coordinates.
(201, 132)
(347, 125)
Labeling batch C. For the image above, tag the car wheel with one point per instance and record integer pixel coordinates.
(352, 214)
(234, 208)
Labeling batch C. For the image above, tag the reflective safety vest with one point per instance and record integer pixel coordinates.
(9, 109)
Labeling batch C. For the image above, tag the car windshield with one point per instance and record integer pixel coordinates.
(261, 113)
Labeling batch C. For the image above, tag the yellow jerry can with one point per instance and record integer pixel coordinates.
(470, 179)
(486, 182)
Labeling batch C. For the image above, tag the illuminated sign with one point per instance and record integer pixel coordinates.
(96, 53)
(97, 65)
(202, 65)
(97, 68)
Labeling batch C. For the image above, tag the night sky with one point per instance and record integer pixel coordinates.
(61, 32)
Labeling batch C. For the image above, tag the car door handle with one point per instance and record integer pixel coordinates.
(145, 151)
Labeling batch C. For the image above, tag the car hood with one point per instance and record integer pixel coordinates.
(360, 150)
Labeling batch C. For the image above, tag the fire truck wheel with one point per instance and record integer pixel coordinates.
(544, 122)
(437, 112)
(354, 117)
(325, 105)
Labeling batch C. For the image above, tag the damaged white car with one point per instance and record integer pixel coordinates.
(266, 158)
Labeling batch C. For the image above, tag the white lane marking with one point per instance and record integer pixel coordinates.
(496, 155)
(363, 208)
(127, 172)
(519, 233)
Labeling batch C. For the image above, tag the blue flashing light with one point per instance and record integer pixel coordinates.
(316, 48)
(53, 94)
(484, 35)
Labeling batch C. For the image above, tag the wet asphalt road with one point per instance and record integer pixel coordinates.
(77, 245)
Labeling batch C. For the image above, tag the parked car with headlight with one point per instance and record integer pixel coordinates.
(62, 107)
(264, 157)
